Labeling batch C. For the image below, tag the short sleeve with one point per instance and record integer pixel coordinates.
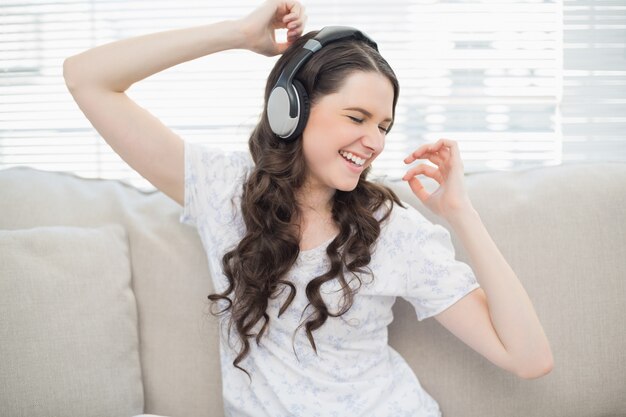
(212, 177)
(435, 279)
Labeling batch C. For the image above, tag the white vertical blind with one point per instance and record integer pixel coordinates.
(593, 112)
(517, 83)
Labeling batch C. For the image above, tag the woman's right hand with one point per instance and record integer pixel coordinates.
(258, 26)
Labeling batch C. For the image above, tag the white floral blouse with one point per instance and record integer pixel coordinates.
(356, 372)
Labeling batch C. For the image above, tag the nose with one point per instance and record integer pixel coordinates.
(374, 140)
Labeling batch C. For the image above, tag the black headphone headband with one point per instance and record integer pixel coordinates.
(325, 36)
(284, 104)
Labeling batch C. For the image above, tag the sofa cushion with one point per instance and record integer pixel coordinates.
(69, 323)
(179, 349)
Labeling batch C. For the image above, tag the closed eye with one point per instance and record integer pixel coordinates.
(359, 121)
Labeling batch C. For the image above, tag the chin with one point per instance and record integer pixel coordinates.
(348, 186)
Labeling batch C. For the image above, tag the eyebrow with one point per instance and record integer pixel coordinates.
(365, 112)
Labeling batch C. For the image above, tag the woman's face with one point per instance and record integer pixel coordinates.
(333, 127)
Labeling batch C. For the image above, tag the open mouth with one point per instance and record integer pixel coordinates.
(352, 159)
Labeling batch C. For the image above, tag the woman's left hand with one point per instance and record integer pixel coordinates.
(450, 198)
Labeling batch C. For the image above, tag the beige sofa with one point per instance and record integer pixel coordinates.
(104, 311)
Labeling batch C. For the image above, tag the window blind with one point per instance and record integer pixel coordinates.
(516, 84)
(593, 108)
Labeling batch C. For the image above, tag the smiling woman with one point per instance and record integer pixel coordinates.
(314, 188)
(332, 128)
(297, 214)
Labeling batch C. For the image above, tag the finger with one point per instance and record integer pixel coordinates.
(441, 146)
(448, 146)
(451, 153)
(416, 154)
(424, 169)
(433, 157)
(292, 34)
(418, 189)
(295, 8)
(295, 24)
(297, 30)
(444, 151)
(290, 17)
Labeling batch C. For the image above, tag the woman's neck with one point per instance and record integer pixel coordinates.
(315, 200)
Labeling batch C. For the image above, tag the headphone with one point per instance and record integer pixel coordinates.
(288, 103)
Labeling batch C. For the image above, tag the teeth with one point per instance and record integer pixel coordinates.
(353, 158)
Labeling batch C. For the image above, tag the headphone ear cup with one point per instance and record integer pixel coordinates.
(303, 98)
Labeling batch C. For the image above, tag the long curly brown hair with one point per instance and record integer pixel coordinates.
(256, 267)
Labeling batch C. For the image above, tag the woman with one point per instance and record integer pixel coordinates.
(295, 227)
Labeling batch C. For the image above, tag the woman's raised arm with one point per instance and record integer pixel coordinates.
(98, 77)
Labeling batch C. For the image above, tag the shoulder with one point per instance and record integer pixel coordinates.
(215, 165)
(408, 227)
(401, 218)
(210, 153)
(401, 226)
